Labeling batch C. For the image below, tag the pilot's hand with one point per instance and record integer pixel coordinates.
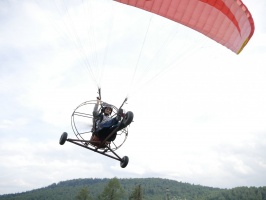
(98, 100)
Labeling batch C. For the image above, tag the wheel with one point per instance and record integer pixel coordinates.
(63, 138)
(128, 118)
(124, 162)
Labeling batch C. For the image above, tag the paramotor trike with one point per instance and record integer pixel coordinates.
(107, 140)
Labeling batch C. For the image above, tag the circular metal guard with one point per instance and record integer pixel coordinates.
(82, 125)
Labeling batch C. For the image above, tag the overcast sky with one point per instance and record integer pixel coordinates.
(201, 121)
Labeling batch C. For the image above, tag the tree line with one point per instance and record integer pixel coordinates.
(135, 189)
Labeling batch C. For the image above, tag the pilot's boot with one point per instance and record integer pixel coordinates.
(120, 114)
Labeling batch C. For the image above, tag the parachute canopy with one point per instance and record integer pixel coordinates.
(228, 22)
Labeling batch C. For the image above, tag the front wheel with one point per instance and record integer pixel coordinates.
(63, 138)
(128, 118)
(124, 162)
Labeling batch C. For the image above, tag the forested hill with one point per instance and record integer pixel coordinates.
(145, 188)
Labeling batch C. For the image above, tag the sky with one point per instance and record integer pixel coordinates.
(200, 121)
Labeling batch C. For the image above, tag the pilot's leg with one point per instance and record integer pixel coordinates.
(108, 124)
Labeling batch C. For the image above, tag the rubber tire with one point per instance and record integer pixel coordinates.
(128, 118)
(124, 162)
(63, 138)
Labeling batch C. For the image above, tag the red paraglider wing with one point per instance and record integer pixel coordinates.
(228, 22)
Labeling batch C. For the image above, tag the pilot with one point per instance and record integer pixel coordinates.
(104, 119)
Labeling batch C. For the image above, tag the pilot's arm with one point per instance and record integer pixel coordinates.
(95, 112)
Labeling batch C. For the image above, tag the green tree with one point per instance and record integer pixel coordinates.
(112, 191)
(137, 193)
(83, 194)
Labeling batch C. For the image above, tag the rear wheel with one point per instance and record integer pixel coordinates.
(63, 138)
(124, 161)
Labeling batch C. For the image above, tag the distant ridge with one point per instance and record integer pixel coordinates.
(153, 189)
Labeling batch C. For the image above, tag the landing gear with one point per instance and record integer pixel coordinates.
(128, 118)
(124, 162)
(104, 150)
(63, 138)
